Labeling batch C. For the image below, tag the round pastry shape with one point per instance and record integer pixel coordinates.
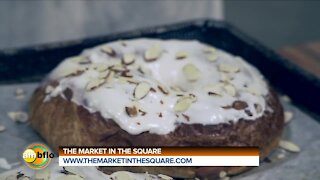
(149, 92)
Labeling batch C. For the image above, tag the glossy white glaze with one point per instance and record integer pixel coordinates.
(111, 98)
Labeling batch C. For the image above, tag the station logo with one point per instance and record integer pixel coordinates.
(37, 156)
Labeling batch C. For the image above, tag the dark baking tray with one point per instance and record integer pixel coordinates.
(33, 63)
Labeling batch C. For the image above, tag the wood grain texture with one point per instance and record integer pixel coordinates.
(307, 56)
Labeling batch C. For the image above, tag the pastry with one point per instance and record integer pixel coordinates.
(149, 92)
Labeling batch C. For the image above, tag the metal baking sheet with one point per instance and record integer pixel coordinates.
(302, 130)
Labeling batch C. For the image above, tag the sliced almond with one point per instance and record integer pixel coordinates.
(79, 60)
(19, 91)
(4, 164)
(141, 90)
(163, 89)
(181, 55)
(210, 50)
(258, 108)
(94, 83)
(281, 156)
(183, 104)
(222, 174)
(191, 72)
(49, 89)
(152, 54)
(286, 98)
(70, 177)
(103, 74)
(127, 74)
(212, 57)
(100, 67)
(254, 91)
(128, 59)
(224, 77)
(165, 177)
(239, 105)
(122, 175)
(44, 174)
(193, 97)
(108, 50)
(289, 146)
(230, 90)
(72, 72)
(18, 116)
(144, 70)
(288, 116)
(228, 68)
(132, 111)
(214, 89)
(73, 171)
(110, 76)
(118, 68)
(2, 128)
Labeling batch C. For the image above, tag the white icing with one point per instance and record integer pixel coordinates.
(111, 98)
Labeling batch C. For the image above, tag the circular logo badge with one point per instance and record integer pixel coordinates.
(37, 156)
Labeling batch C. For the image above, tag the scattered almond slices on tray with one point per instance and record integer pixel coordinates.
(20, 93)
(18, 116)
(4, 164)
(289, 146)
(288, 116)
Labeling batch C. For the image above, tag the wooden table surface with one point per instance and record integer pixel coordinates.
(306, 56)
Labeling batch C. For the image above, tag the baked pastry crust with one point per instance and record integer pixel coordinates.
(63, 123)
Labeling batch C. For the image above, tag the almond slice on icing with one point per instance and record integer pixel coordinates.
(152, 54)
(128, 59)
(49, 89)
(18, 116)
(254, 91)
(288, 116)
(118, 68)
(144, 70)
(79, 60)
(183, 104)
(141, 90)
(163, 89)
(108, 50)
(212, 57)
(228, 68)
(258, 108)
(71, 72)
(132, 111)
(100, 67)
(94, 83)
(214, 89)
(289, 146)
(224, 77)
(191, 72)
(103, 74)
(181, 55)
(210, 50)
(230, 89)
